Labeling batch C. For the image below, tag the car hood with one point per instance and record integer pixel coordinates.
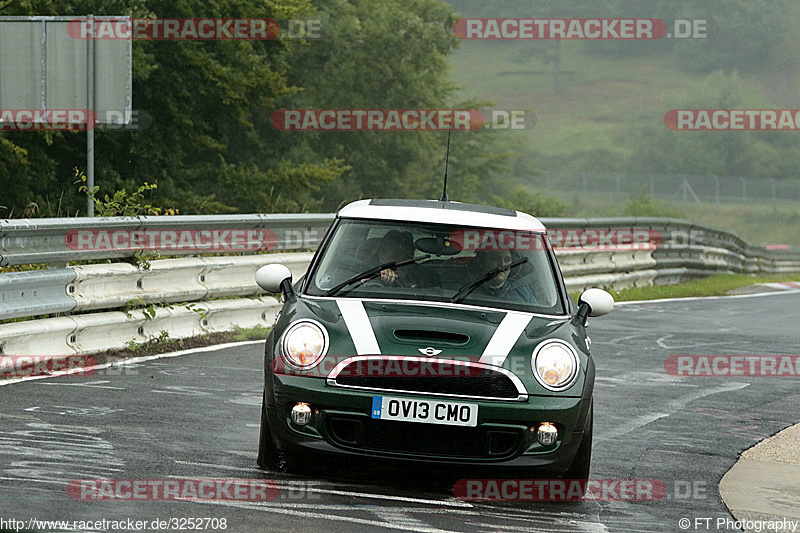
(431, 330)
(493, 337)
(369, 327)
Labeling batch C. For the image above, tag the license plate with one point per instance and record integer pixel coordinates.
(426, 411)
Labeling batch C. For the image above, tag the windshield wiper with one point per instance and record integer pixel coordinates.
(373, 272)
(464, 291)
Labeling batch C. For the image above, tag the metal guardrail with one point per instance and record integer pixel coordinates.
(684, 251)
(35, 292)
(91, 333)
(167, 281)
(57, 240)
(54, 240)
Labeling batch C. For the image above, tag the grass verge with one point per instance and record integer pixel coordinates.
(716, 285)
(164, 343)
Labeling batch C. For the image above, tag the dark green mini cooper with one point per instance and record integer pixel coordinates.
(431, 331)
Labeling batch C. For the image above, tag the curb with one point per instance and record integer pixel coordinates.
(764, 484)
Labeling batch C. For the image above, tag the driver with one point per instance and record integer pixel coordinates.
(397, 245)
(499, 286)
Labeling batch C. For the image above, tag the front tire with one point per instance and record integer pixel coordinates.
(583, 459)
(268, 454)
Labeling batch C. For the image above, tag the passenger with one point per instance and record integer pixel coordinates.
(498, 286)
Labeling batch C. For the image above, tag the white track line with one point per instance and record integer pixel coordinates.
(305, 484)
(133, 361)
(673, 406)
(323, 516)
(694, 298)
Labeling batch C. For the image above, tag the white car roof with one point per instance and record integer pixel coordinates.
(437, 212)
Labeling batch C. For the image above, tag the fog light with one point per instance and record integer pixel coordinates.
(301, 414)
(547, 434)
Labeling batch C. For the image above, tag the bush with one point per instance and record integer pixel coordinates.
(641, 205)
(533, 203)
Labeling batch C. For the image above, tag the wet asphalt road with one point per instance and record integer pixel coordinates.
(197, 416)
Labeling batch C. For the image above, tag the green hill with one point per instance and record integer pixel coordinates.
(603, 113)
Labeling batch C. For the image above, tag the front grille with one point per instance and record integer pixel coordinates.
(423, 439)
(424, 376)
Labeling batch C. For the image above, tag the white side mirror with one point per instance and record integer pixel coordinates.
(271, 277)
(599, 301)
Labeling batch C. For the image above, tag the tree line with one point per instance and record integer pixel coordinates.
(208, 143)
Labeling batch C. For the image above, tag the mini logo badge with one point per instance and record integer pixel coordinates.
(429, 351)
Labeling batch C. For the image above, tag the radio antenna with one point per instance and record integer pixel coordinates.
(444, 197)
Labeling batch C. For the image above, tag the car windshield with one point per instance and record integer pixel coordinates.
(507, 269)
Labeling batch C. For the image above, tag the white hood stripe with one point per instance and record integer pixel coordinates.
(359, 326)
(504, 338)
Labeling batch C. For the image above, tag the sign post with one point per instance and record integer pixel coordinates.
(44, 67)
(90, 131)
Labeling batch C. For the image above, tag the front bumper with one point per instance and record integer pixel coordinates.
(504, 437)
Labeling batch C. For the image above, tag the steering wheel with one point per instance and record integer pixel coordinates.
(379, 283)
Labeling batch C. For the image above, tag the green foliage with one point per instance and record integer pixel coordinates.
(745, 34)
(163, 343)
(122, 203)
(256, 333)
(211, 147)
(210, 102)
(721, 153)
(132, 345)
(384, 54)
(142, 259)
(162, 338)
(610, 115)
(290, 187)
(642, 205)
(716, 285)
(742, 34)
(533, 203)
(203, 313)
(148, 309)
(153, 344)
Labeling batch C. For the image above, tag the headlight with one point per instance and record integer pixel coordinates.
(305, 344)
(555, 365)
